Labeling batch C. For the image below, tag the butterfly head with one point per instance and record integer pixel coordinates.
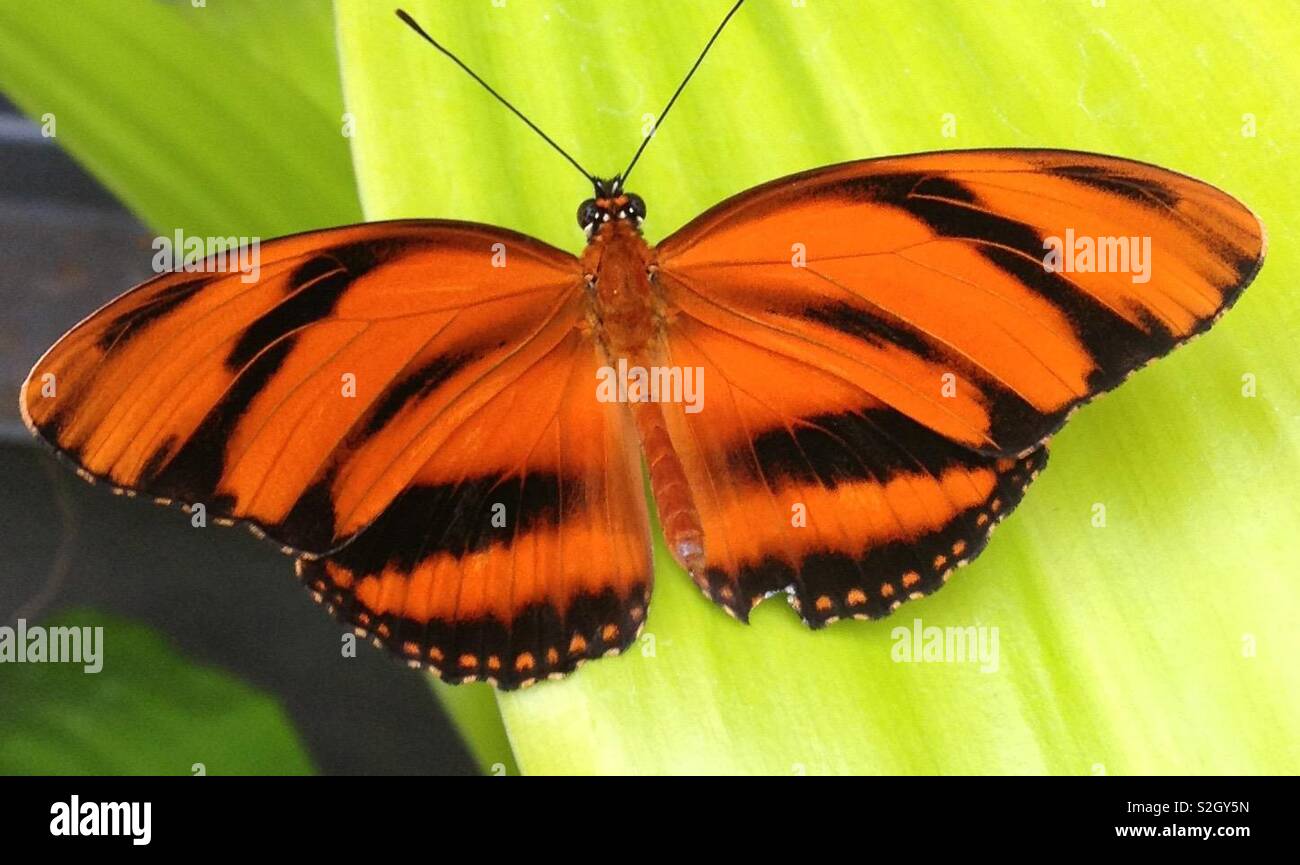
(609, 204)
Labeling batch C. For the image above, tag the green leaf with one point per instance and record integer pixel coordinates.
(1163, 642)
(147, 711)
(220, 120)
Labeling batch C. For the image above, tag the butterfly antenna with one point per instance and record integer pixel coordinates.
(410, 22)
(663, 115)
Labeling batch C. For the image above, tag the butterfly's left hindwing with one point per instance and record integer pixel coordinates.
(521, 548)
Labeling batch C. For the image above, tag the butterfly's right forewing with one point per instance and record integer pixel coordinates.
(929, 281)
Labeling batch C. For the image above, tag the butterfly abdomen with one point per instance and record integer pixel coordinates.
(677, 512)
(630, 331)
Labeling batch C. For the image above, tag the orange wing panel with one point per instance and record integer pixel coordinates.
(887, 345)
(305, 400)
(929, 281)
(521, 547)
(807, 486)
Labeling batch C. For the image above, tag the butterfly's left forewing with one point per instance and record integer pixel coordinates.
(296, 396)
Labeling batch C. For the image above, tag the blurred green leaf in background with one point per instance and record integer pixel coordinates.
(1163, 642)
(147, 711)
(219, 120)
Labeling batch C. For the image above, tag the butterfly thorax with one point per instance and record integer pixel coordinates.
(626, 311)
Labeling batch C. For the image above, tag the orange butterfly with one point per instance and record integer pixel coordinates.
(886, 346)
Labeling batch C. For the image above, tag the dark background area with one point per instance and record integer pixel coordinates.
(220, 596)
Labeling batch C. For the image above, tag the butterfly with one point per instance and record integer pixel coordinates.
(881, 349)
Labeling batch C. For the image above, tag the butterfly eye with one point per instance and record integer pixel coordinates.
(636, 206)
(588, 213)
